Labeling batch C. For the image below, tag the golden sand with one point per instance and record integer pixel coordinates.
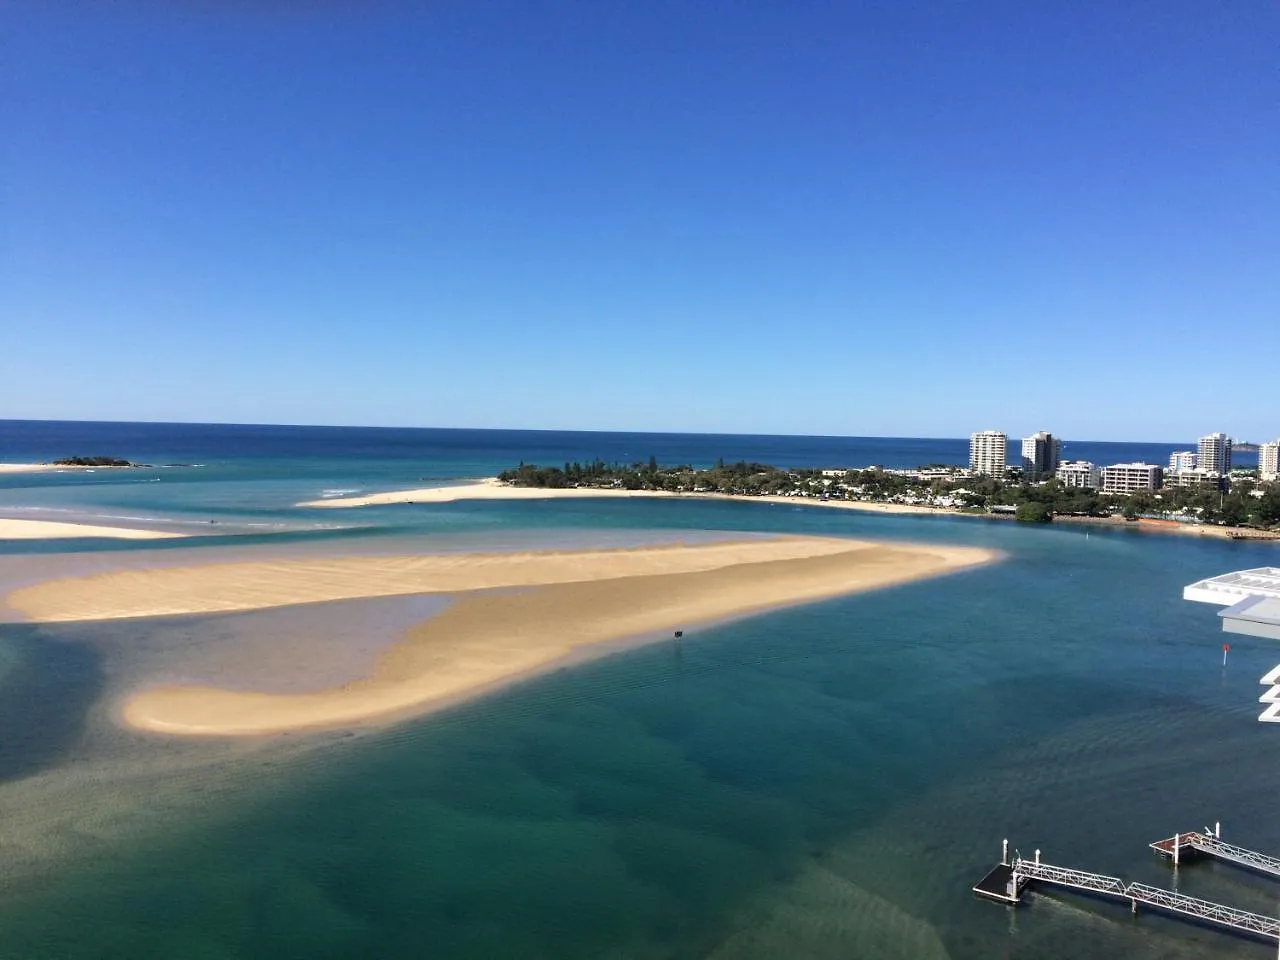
(50, 529)
(492, 488)
(575, 600)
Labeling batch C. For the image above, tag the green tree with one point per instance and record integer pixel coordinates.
(1033, 511)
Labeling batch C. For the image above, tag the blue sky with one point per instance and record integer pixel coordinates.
(881, 218)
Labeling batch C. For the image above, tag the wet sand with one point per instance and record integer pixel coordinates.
(57, 530)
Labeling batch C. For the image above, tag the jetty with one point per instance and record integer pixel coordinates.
(1008, 881)
(1183, 846)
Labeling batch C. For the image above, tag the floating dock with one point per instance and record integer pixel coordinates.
(1006, 882)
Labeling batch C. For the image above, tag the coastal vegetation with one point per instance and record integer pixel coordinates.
(95, 462)
(1248, 502)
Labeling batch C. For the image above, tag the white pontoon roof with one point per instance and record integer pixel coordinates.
(1252, 599)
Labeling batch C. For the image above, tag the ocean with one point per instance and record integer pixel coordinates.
(822, 781)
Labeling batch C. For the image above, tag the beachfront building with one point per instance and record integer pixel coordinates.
(1215, 453)
(1040, 455)
(1131, 477)
(1269, 460)
(1183, 460)
(987, 453)
(1195, 478)
(1079, 473)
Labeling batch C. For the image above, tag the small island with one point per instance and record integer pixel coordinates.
(95, 462)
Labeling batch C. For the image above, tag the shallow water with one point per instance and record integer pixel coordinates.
(823, 781)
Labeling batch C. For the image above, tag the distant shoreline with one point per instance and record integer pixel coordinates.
(491, 488)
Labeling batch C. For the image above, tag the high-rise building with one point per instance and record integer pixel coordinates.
(1269, 460)
(1181, 460)
(1131, 477)
(1215, 453)
(1079, 473)
(1041, 453)
(987, 453)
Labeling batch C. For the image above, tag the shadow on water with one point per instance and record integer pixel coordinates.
(44, 699)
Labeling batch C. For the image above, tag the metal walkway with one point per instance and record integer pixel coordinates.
(1023, 871)
(1211, 845)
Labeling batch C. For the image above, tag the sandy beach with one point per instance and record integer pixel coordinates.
(47, 467)
(571, 601)
(491, 488)
(54, 530)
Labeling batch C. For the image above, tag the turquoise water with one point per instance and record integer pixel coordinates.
(823, 781)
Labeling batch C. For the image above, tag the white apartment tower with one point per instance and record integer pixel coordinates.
(1041, 453)
(1269, 460)
(1215, 453)
(1182, 460)
(987, 453)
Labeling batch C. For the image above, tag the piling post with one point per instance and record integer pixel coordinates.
(1217, 829)
(1004, 852)
(1037, 856)
(1177, 841)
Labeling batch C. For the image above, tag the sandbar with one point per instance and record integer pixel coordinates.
(47, 467)
(570, 602)
(490, 488)
(54, 529)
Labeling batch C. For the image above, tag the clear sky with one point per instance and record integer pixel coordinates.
(876, 218)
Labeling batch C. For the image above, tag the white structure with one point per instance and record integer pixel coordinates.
(1131, 477)
(1040, 455)
(1079, 473)
(987, 453)
(1215, 453)
(1183, 460)
(1269, 460)
(1195, 478)
(1252, 602)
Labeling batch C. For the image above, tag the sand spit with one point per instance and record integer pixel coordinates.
(259, 584)
(485, 639)
(492, 488)
(52, 529)
(53, 467)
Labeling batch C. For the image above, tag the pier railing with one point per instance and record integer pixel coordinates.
(1211, 845)
(1204, 910)
(1066, 877)
(1023, 870)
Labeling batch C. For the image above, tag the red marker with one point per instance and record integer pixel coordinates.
(1225, 648)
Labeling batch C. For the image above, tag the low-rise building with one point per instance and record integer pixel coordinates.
(1079, 473)
(1131, 477)
(1195, 478)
